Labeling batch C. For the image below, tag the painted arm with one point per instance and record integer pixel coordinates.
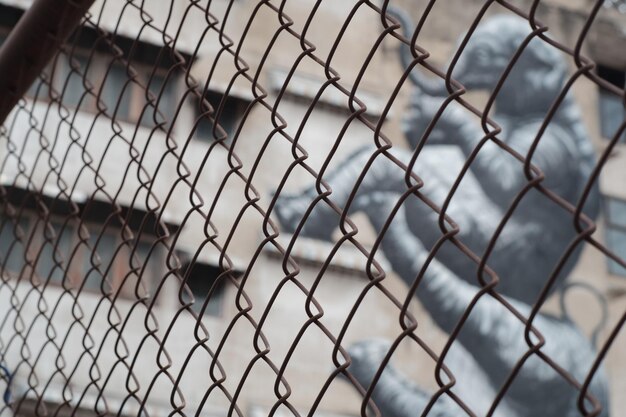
(491, 334)
(394, 395)
(383, 176)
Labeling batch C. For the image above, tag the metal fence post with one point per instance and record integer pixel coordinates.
(32, 43)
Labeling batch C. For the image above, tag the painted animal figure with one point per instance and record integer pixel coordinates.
(526, 251)
(539, 231)
(485, 351)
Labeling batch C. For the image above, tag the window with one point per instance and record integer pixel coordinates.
(203, 282)
(122, 95)
(13, 239)
(99, 259)
(616, 232)
(140, 264)
(164, 91)
(60, 255)
(66, 254)
(123, 82)
(87, 68)
(228, 119)
(88, 55)
(611, 108)
(71, 70)
(127, 265)
(116, 91)
(53, 249)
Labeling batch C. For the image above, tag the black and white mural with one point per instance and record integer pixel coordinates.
(522, 245)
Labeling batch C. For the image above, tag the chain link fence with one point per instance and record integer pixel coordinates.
(281, 208)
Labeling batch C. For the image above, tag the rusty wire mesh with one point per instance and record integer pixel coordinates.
(83, 219)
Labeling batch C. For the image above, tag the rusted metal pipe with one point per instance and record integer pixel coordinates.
(32, 43)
